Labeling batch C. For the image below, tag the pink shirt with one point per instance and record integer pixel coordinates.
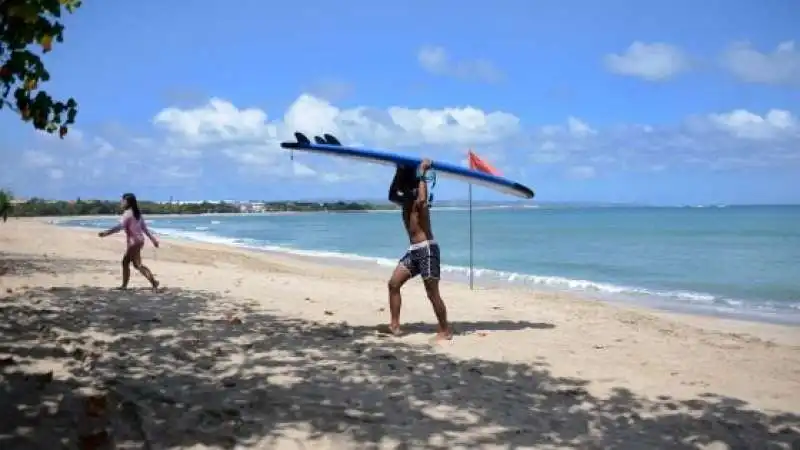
(135, 230)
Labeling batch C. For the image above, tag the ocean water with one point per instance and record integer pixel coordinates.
(740, 261)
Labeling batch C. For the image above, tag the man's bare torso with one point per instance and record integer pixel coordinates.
(417, 220)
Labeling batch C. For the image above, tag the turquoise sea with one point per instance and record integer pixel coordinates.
(740, 261)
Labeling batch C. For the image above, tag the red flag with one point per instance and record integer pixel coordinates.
(476, 163)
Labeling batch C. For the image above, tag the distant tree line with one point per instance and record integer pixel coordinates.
(321, 206)
(40, 207)
(36, 207)
(5, 203)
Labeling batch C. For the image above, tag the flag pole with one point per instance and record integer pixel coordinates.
(471, 283)
(478, 164)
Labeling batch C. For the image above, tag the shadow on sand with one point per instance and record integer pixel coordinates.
(183, 368)
(13, 264)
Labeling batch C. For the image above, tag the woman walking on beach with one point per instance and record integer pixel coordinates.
(135, 230)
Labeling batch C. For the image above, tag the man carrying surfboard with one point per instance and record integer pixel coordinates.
(409, 190)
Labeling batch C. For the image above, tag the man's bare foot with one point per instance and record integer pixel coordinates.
(120, 288)
(394, 330)
(441, 337)
(156, 284)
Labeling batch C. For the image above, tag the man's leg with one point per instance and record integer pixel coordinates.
(432, 289)
(399, 277)
(430, 269)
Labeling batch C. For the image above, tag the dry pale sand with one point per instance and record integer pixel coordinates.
(259, 351)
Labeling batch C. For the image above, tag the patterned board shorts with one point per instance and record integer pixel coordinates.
(423, 259)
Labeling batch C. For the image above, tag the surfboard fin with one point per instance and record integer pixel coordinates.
(319, 140)
(301, 138)
(331, 139)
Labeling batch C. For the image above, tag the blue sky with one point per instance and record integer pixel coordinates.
(660, 102)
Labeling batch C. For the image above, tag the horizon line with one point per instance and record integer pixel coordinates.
(465, 201)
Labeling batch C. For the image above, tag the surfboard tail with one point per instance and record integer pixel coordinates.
(302, 141)
(301, 138)
(331, 139)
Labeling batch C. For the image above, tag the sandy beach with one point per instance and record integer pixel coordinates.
(249, 350)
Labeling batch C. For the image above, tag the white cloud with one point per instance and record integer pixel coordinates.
(581, 172)
(302, 170)
(779, 67)
(218, 121)
(103, 147)
(774, 124)
(333, 178)
(228, 142)
(578, 127)
(247, 137)
(331, 89)
(652, 62)
(717, 141)
(552, 144)
(252, 142)
(78, 159)
(74, 138)
(37, 158)
(182, 152)
(548, 152)
(175, 171)
(435, 60)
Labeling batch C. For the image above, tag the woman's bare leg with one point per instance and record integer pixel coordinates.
(144, 270)
(126, 268)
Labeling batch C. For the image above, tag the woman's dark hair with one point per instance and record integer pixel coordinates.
(403, 184)
(131, 202)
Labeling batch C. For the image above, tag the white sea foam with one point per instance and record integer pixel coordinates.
(684, 299)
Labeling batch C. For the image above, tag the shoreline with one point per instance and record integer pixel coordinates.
(366, 271)
(269, 213)
(375, 265)
(48, 219)
(257, 350)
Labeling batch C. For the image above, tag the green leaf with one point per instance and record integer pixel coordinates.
(25, 27)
